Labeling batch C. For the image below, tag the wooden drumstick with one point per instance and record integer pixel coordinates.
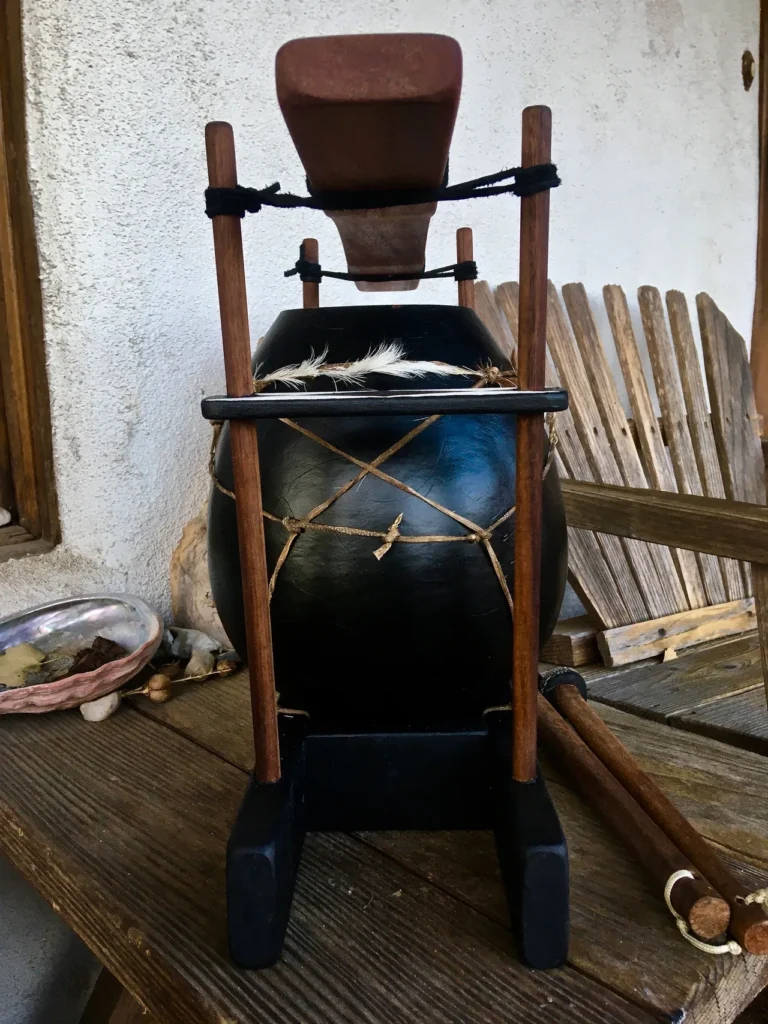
(706, 912)
(534, 240)
(749, 921)
(465, 251)
(233, 306)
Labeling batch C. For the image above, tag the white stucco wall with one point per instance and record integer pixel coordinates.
(654, 135)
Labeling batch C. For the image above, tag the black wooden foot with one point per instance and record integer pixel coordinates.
(533, 857)
(263, 857)
(450, 778)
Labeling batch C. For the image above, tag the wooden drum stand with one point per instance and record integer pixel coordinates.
(479, 777)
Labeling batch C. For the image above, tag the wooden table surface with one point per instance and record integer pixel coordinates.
(122, 826)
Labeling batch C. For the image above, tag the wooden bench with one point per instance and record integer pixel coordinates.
(122, 827)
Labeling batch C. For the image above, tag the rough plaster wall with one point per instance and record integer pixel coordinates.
(654, 134)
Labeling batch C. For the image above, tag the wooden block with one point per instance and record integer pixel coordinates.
(626, 644)
(573, 643)
(616, 461)
(700, 424)
(372, 111)
(648, 432)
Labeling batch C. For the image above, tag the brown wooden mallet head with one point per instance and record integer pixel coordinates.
(368, 112)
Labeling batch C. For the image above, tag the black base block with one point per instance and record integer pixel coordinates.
(452, 778)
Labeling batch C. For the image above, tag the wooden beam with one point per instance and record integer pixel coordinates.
(22, 349)
(733, 529)
(627, 644)
(574, 643)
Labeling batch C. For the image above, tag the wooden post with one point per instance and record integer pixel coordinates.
(233, 305)
(465, 251)
(534, 241)
(311, 289)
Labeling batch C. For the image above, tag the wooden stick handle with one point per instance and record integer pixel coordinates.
(310, 289)
(532, 334)
(749, 922)
(465, 251)
(233, 306)
(707, 913)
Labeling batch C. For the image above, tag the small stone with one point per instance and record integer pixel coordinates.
(5, 517)
(166, 643)
(103, 707)
(185, 641)
(200, 664)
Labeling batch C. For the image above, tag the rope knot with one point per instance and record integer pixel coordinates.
(389, 538)
(292, 525)
(760, 896)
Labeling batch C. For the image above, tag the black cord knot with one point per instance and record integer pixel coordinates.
(237, 201)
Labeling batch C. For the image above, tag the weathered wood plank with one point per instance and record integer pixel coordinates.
(489, 312)
(741, 720)
(700, 422)
(123, 828)
(608, 889)
(610, 896)
(731, 528)
(591, 556)
(663, 690)
(656, 572)
(657, 465)
(630, 562)
(669, 392)
(734, 416)
(759, 572)
(574, 642)
(627, 644)
(691, 768)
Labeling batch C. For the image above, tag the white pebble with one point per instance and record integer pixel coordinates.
(98, 710)
(200, 664)
(5, 517)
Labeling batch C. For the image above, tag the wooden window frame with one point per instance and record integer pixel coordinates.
(26, 455)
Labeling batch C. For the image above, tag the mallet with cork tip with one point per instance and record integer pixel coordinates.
(749, 920)
(705, 911)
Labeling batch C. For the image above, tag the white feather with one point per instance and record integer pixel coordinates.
(386, 359)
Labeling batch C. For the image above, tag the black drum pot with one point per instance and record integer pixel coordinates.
(422, 636)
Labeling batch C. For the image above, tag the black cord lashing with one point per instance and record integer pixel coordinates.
(237, 201)
(466, 270)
